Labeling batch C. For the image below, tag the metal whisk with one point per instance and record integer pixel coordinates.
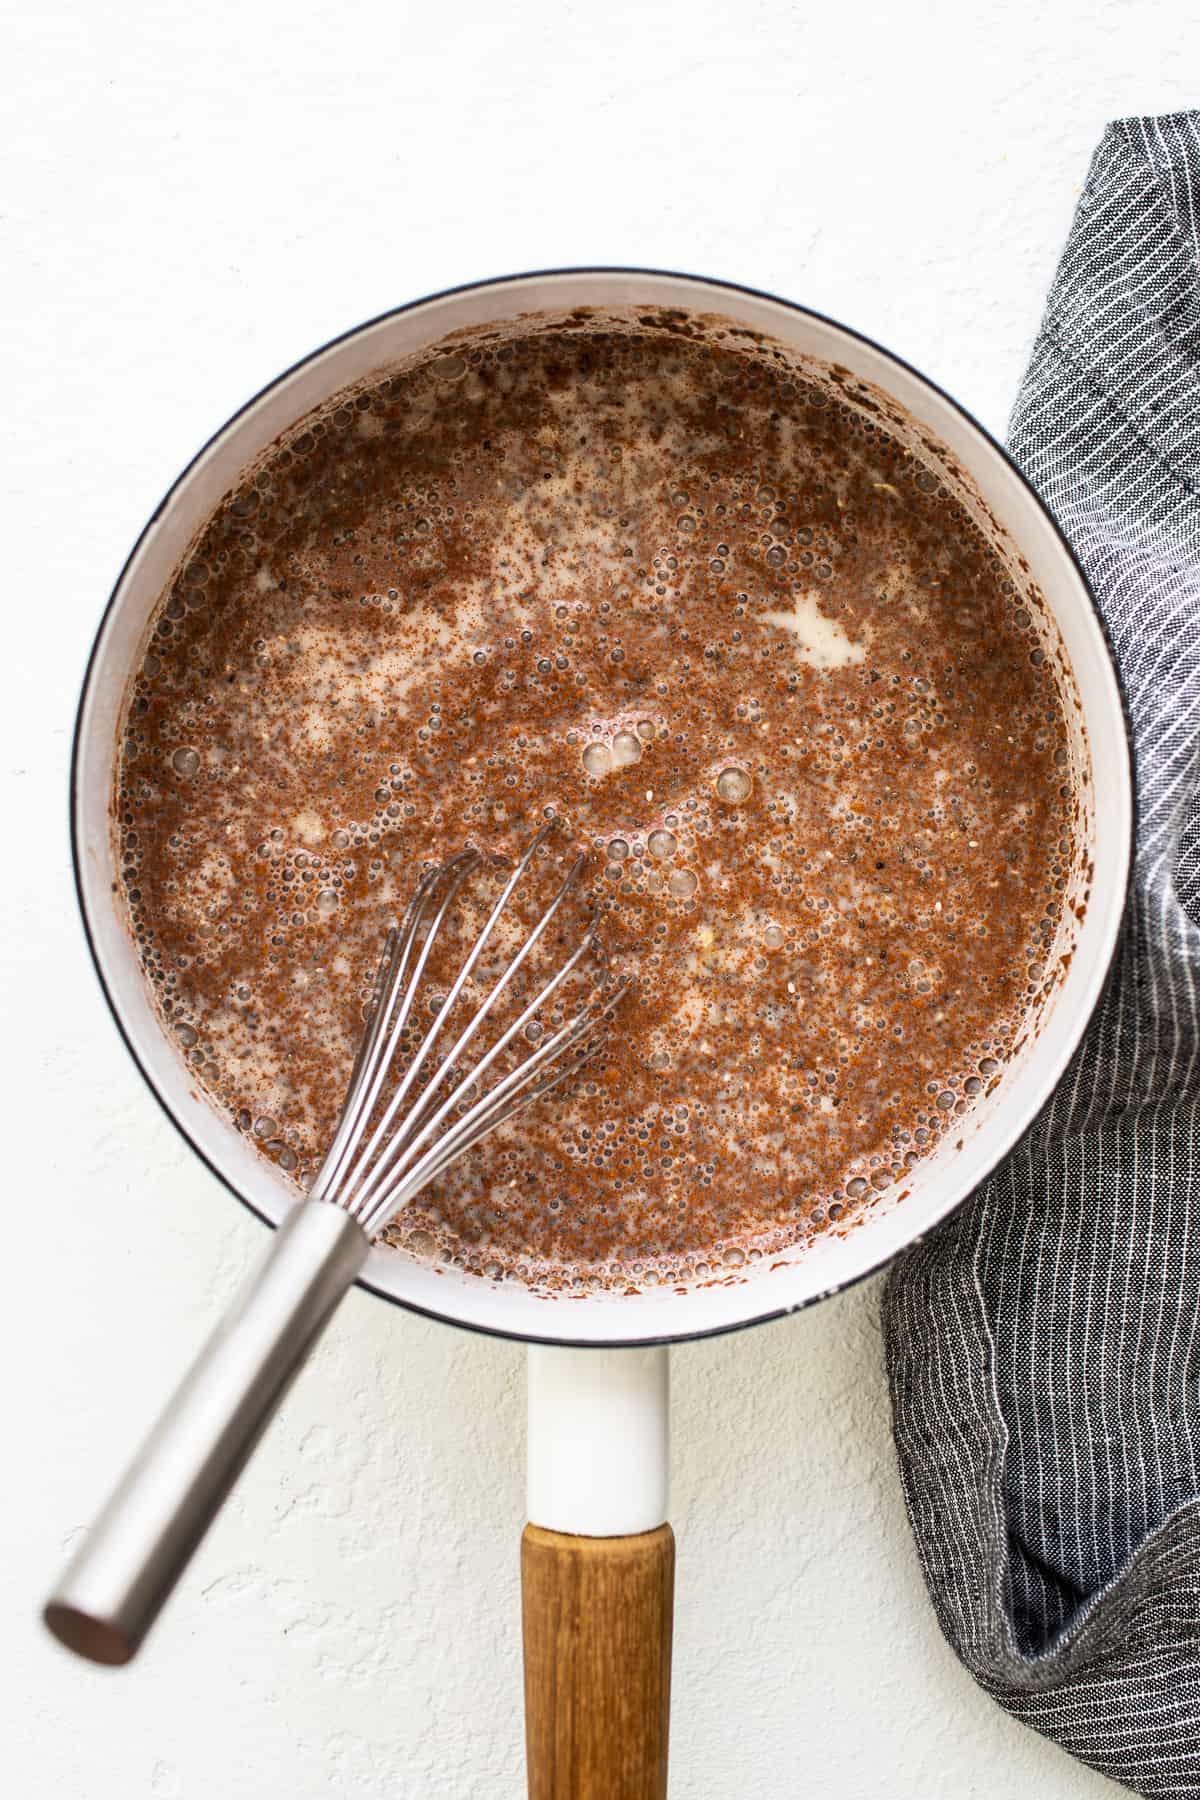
(418, 1135)
(486, 1056)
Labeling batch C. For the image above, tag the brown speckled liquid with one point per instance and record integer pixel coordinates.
(745, 648)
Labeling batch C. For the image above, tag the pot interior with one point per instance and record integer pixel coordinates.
(855, 372)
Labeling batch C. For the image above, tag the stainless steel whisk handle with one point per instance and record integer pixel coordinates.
(389, 1144)
(115, 1585)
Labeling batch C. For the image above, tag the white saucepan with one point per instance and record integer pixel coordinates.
(597, 1555)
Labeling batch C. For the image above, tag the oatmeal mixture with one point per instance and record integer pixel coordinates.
(741, 644)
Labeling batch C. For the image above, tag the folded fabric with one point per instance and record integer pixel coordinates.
(1044, 1346)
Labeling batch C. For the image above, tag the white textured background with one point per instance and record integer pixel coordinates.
(192, 197)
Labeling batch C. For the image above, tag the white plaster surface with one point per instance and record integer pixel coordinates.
(193, 197)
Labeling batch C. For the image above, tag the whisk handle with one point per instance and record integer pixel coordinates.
(113, 1589)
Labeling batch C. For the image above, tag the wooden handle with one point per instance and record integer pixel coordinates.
(597, 1618)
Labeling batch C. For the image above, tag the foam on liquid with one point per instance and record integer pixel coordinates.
(733, 637)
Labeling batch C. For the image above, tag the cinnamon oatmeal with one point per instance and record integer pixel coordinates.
(741, 643)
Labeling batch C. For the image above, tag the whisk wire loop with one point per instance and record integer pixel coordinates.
(367, 1183)
(371, 1064)
(511, 1095)
(386, 1150)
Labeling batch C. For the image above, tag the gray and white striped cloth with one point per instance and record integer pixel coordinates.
(1044, 1346)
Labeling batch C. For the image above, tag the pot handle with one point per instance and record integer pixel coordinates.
(113, 1589)
(597, 1576)
(597, 1625)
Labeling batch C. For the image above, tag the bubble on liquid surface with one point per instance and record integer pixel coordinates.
(597, 760)
(773, 937)
(327, 901)
(626, 749)
(733, 785)
(186, 762)
(662, 844)
(645, 729)
(683, 883)
(618, 850)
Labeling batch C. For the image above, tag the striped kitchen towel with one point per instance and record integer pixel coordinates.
(1044, 1346)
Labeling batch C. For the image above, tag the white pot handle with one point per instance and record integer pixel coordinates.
(598, 1440)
